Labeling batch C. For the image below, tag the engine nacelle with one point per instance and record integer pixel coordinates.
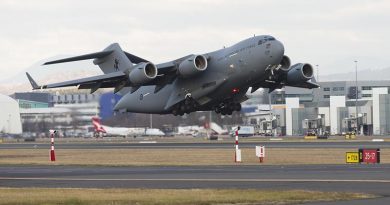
(143, 73)
(192, 65)
(299, 73)
(285, 64)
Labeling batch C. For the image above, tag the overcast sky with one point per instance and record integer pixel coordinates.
(329, 33)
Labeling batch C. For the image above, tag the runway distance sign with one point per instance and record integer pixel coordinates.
(352, 157)
(369, 155)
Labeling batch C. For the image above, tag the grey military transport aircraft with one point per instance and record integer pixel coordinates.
(215, 81)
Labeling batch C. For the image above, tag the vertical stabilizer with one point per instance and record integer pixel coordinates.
(115, 61)
(98, 125)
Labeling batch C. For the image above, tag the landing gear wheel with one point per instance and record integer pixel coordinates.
(194, 105)
(237, 107)
(182, 108)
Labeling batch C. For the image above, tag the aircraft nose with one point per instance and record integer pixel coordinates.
(278, 49)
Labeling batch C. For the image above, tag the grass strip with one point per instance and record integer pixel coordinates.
(177, 157)
(64, 196)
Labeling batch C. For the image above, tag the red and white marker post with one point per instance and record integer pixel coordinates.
(52, 153)
(237, 153)
(236, 140)
(260, 153)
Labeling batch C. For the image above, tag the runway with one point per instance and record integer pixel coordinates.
(373, 179)
(202, 145)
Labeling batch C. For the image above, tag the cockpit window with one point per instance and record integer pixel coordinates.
(271, 38)
(266, 38)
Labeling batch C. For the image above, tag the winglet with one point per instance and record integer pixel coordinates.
(34, 85)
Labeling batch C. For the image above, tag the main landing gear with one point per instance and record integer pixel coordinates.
(187, 106)
(190, 105)
(228, 108)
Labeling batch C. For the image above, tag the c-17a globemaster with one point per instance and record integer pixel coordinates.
(215, 81)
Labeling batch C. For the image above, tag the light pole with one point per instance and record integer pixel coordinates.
(270, 113)
(356, 99)
(318, 98)
(9, 123)
(151, 120)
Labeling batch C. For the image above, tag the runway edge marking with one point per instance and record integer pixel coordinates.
(206, 180)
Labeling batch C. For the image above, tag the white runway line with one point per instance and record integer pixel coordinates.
(147, 142)
(200, 180)
(378, 140)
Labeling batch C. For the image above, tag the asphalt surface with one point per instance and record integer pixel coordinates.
(203, 145)
(374, 179)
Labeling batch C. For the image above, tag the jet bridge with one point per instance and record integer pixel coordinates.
(270, 127)
(354, 124)
(314, 128)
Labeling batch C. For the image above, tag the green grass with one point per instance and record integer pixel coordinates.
(38, 196)
(177, 157)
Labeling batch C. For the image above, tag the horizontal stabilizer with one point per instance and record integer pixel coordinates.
(101, 54)
(135, 59)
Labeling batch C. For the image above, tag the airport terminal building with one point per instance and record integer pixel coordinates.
(333, 108)
(70, 111)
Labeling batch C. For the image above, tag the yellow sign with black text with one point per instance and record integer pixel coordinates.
(352, 157)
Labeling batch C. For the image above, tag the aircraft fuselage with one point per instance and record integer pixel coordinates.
(229, 74)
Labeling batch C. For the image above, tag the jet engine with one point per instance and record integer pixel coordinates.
(285, 64)
(142, 73)
(300, 72)
(192, 65)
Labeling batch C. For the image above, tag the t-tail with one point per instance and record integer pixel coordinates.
(113, 61)
(110, 60)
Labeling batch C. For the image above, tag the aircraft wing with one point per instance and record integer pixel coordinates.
(118, 80)
(307, 84)
(163, 68)
(94, 82)
(166, 73)
(277, 85)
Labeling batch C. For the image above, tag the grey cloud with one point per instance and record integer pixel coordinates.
(330, 33)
